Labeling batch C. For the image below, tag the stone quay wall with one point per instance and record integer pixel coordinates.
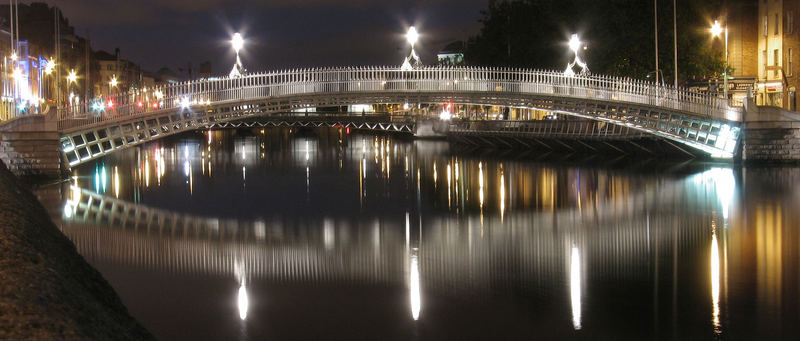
(48, 291)
(771, 142)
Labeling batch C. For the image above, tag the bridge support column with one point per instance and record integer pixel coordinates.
(29, 146)
(770, 134)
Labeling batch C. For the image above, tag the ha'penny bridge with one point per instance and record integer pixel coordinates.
(604, 111)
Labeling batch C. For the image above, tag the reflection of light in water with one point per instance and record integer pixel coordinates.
(434, 174)
(575, 287)
(724, 185)
(186, 167)
(715, 283)
(116, 182)
(243, 302)
(147, 173)
(480, 183)
(328, 234)
(448, 185)
(413, 289)
(103, 178)
(408, 229)
(502, 195)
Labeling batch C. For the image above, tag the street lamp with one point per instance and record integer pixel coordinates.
(237, 42)
(412, 36)
(49, 66)
(112, 83)
(716, 31)
(575, 44)
(72, 77)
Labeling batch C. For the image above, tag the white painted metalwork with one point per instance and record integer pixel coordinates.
(699, 120)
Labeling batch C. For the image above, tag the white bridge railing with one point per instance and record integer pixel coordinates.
(393, 80)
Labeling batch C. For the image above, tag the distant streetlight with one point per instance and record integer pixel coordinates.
(412, 36)
(49, 66)
(575, 44)
(716, 30)
(112, 83)
(237, 42)
(72, 77)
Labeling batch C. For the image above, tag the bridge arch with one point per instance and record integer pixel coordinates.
(696, 120)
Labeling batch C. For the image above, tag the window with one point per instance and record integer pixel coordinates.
(766, 26)
(789, 65)
(776, 61)
(789, 22)
(776, 24)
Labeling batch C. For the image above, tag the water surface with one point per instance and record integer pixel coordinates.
(287, 234)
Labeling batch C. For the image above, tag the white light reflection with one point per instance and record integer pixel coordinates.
(242, 302)
(575, 287)
(724, 185)
(715, 272)
(502, 195)
(413, 289)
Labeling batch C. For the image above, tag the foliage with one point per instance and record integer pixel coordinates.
(619, 35)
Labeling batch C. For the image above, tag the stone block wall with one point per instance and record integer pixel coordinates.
(31, 153)
(771, 141)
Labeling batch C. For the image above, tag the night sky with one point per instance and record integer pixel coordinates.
(278, 34)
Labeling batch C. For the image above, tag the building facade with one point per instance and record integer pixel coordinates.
(777, 50)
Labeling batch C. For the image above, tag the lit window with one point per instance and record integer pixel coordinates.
(765, 24)
(776, 60)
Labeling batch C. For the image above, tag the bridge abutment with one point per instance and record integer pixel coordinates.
(770, 134)
(29, 146)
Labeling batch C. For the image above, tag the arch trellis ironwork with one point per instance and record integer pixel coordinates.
(699, 120)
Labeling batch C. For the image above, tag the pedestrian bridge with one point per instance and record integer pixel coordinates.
(699, 121)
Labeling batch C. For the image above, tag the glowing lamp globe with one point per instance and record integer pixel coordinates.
(237, 42)
(412, 36)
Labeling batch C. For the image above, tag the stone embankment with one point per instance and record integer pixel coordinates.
(771, 135)
(47, 290)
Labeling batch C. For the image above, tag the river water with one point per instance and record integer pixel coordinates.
(317, 234)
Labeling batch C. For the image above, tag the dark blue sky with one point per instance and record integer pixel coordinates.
(278, 34)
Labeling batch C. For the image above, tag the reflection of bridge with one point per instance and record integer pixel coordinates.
(690, 119)
(379, 122)
(118, 231)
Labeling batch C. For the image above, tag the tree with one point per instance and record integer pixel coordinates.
(619, 34)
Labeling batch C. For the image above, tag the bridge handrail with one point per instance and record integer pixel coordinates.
(391, 79)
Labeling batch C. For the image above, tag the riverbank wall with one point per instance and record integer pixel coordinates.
(48, 291)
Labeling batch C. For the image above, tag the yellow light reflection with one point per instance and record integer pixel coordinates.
(147, 173)
(435, 176)
(116, 182)
(448, 186)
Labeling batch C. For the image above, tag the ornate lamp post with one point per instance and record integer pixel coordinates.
(411, 36)
(575, 44)
(237, 42)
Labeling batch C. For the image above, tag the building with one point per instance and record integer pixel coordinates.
(777, 50)
(116, 74)
(742, 27)
(49, 36)
(452, 54)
